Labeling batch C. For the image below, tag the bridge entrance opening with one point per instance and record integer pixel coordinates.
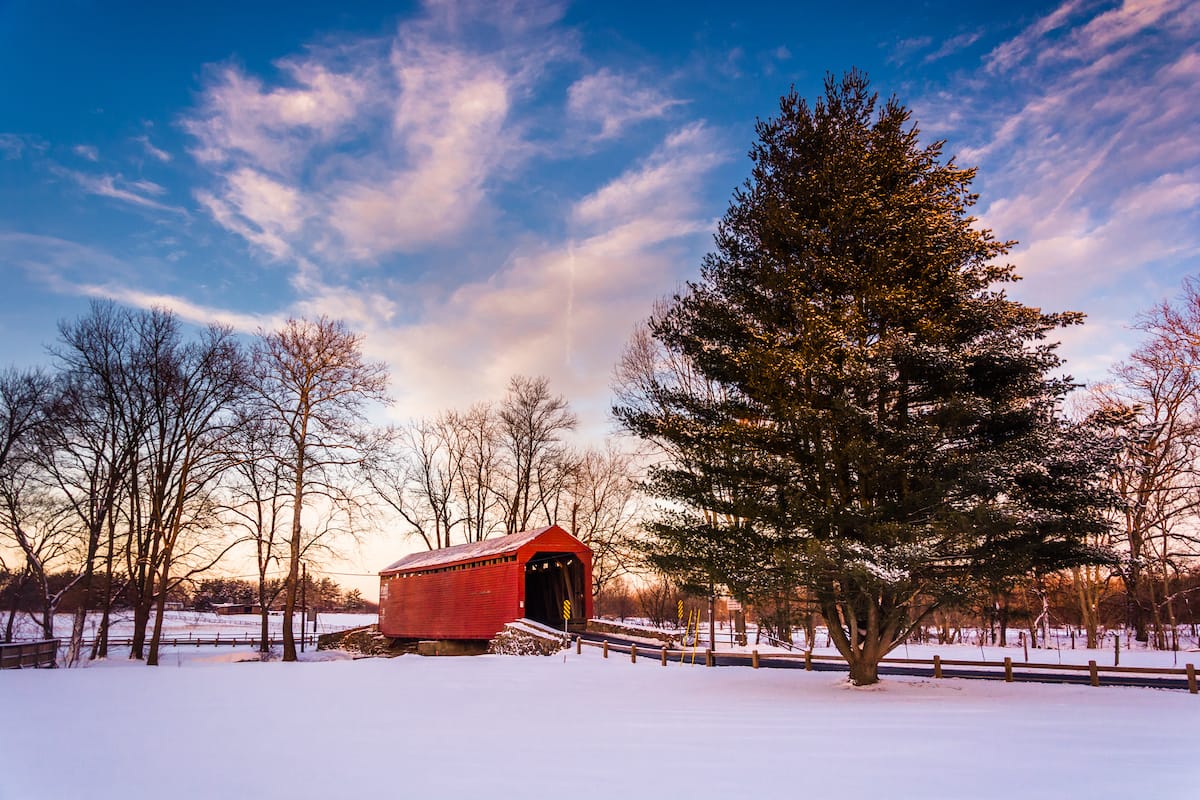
(551, 578)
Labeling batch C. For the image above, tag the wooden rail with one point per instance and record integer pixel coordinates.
(1030, 670)
(23, 655)
(212, 641)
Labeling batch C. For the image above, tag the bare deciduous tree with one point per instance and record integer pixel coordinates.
(88, 446)
(258, 503)
(311, 377)
(531, 424)
(1159, 471)
(605, 509)
(190, 388)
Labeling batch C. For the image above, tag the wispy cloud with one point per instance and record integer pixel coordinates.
(562, 308)
(614, 102)
(953, 45)
(182, 307)
(70, 268)
(369, 148)
(652, 187)
(1090, 158)
(86, 151)
(151, 150)
(136, 192)
(904, 49)
(359, 168)
(15, 145)
(1073, 31)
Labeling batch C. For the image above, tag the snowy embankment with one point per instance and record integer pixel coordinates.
(575, 726)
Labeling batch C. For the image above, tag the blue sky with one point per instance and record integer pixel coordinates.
(495, 188)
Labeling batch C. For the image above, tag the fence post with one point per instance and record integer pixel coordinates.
(708, 657)
(606, 648)
(664, 655)
(1008, 669)
(754, 658)
(578, 645)
(1116, 651)
(937, 666)
(1095, 673)
(633, 654)
(808, 660)
(1191, 678)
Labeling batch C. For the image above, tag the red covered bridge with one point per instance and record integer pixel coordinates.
(471, 591)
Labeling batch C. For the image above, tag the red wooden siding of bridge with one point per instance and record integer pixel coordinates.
(471, 591)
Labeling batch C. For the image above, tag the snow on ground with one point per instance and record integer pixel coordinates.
(574, 726)
(199, 624)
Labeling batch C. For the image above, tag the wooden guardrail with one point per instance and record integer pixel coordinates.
(24, 655)
(1031, 670)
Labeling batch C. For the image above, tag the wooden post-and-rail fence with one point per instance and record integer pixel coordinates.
(208, 641)
(25, 655)
(1032, 671)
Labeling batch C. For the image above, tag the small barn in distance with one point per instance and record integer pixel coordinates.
(471, 591)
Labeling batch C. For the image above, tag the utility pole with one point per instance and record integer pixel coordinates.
(303, 604)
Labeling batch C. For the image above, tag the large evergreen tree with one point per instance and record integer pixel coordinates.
(887, 426)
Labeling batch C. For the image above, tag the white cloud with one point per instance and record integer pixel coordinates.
(182, 307)
(1062, 35)
(563, 309)
(1012, 52)
(70, 268)
(615, 102)
(654, 184)
(137, 192)
(370, 149)
(11, 145)
(447, 138)
(351, 186)
(953, 45)
(1089, 159)
(151, 150)
(240, 119)
(86, 151)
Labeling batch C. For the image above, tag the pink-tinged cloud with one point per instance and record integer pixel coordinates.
(613, 102)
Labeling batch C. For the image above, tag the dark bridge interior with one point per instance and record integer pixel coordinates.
(551, 578)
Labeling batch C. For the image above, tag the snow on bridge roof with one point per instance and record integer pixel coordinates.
(467, 552)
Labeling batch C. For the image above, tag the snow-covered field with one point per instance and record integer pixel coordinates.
(180, 624)
(574, 726)
(196, 623)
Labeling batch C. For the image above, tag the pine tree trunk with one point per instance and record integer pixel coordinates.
(1135, 615)
(1002, 622)
(864, 672)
